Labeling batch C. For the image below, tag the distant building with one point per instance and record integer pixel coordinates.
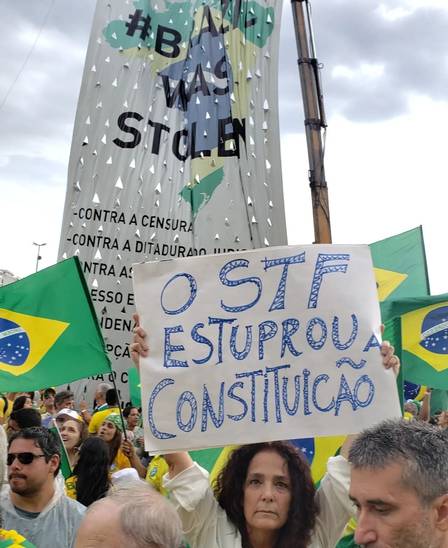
(7, 277)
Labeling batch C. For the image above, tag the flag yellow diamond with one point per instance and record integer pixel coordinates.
(38, 336)
(387, 282)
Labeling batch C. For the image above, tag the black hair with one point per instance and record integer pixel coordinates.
(26, 417)
(47, 441)
(127, 410)
(303, 509)
(112, 397)
(19, 402)
(92, 471)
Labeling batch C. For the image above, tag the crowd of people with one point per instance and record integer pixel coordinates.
(81, 478)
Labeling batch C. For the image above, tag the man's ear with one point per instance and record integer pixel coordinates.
(441, 508)
(54, 463)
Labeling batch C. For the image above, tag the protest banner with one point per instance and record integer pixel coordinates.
(261, 345)
(175, 149)
(400, 267)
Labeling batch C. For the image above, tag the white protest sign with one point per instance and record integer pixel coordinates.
(261, 345)
(176, 147)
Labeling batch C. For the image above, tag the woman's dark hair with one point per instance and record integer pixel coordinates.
(229, 491)
(26, 417)
(127, 410)
(19, 402)
(92, 471)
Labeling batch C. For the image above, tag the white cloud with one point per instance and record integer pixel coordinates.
(385, 95)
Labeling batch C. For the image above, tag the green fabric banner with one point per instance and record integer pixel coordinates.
(423, 339)
(49, 334)
(400, 267)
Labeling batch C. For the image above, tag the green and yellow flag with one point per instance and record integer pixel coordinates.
(49, 334)
(422, 326)
(400, 267)
(135, 387)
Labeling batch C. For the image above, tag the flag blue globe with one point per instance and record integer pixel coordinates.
(14, 343)
(307, 446)
(435, 331)
(411, 390)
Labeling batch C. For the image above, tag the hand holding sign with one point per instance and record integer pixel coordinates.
(237, 340)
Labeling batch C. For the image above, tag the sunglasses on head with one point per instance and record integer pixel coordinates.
(23, 458)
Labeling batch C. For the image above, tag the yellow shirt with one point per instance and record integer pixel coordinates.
(157, 468)
(99, 417)
(70, 487)
(121, 461)
(4, 413)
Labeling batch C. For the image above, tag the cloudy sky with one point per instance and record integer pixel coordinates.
(386, 94)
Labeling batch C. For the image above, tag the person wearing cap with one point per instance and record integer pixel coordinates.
(47, 408)
(73, 434)
(67, 414)
(111, 431)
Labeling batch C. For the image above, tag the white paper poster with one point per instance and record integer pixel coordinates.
(281, 343)
(176, 148)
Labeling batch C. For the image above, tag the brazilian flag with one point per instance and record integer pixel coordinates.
(400, 267)
(135, 387)
(420, 331)
(49, 334)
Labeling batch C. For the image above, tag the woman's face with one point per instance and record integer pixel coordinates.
(107, 431)
(267, 492)
(71, 434)
(28, 403)
(133, 417)
(48, 399)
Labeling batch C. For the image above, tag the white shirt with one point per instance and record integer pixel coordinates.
(206, 524)
(56, 525)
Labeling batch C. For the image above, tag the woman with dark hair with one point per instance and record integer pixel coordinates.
(239, 483)
(22, 402)
(264, 496)
(111, 432)
(73, 434)
(90, 480)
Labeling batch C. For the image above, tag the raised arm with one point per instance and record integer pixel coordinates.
(425, 410)
(390, 361)
(177, 462)
(139, 346)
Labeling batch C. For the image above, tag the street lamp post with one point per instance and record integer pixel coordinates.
(38, 253)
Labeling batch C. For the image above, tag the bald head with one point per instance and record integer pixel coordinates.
(101, 527)
(132, 515)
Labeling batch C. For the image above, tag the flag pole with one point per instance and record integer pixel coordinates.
(119, 406)
(315, 122)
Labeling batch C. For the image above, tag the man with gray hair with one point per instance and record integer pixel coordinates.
(399, 484)
(133, 515)
(101, 390)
